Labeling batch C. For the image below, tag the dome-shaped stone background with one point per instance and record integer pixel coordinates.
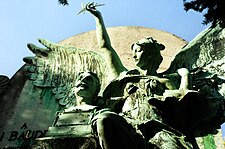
(123, 37)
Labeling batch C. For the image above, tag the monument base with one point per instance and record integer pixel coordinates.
(65, 142)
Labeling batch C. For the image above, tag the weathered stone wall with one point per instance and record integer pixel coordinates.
(26, 111)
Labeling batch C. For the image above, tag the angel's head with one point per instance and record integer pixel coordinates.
(87, 87)
(146, 54)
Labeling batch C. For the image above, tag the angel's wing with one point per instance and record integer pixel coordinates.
(206, 52)
(204, 57)
(57, 66)
(4, 83)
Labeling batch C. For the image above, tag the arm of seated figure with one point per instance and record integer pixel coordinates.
(104, 43)
(115, 103)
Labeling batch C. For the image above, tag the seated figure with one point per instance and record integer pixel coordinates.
(88, 119)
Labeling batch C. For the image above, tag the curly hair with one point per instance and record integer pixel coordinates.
(149, 43)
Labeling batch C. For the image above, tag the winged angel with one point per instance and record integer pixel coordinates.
(192, 78)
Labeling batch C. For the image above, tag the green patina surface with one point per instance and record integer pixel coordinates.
(209, 142)
(76, 81)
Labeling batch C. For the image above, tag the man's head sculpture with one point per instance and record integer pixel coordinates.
(87, 87)
(146, 54)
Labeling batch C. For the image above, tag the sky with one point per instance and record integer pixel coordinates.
(23, 21)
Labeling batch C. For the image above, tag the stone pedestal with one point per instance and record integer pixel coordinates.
(65, 143)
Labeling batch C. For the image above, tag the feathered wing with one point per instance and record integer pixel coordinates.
(57, 66)
(206, 54)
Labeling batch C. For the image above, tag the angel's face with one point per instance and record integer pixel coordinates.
(137, 52)
(86, 88)
(147, 57)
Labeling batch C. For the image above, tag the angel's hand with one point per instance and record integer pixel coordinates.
(91, 7)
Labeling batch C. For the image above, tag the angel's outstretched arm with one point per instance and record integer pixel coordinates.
(104, 43)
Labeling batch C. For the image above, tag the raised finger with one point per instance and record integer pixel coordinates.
(37, 50)
(48, 44)
(30, 60)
